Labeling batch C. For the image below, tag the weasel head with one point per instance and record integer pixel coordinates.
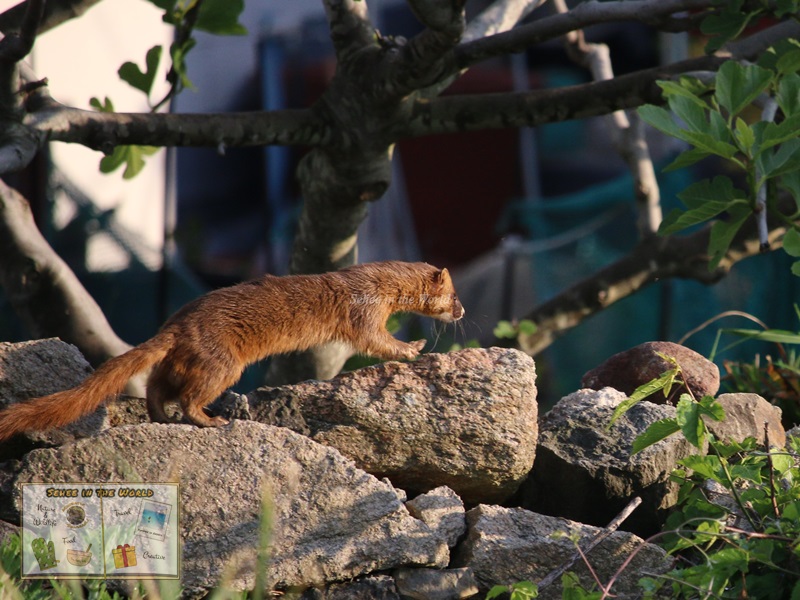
(441, 301)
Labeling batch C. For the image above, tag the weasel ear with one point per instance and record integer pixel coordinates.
(442, 276)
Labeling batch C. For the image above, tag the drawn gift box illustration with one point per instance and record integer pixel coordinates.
(124, 556)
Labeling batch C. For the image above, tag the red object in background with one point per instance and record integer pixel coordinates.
(459, 184)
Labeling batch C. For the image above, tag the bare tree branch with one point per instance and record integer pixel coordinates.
(421, 61)
(19, 148)
(475, 112)
(626, 132)
(43, 290)
(351, 28)
(500, 16)
(752, 46)
(103, 131)
(19, 144)
(651, 12)
(653, 259)
(55, 13)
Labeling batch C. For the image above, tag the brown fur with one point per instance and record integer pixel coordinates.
(203, 349)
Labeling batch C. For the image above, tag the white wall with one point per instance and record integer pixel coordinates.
(80, 59)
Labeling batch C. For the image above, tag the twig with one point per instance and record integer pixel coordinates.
(722, 315)
(609, 529)
(773, 497)
(627, 132)
(768, 115)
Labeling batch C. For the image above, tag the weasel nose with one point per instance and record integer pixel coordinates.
(458, 311)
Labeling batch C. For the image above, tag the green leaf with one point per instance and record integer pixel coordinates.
(777, 133)
(522, 590)
(720, 188)
(686, 159)
(791, 243)
(685, 88)
(784, 7)
(710, 142)
(789, 62)
(705, 466)
(785, 159)
(791, 183)
(725, 25)
(734, 559)
(505, 330)
(745, 137)
(701, 214)
(718, 127)
(792, 511)
(132, 74)
(661, 119)
(178, 53)
(497, 590)
(655, 433)
(705, 199)
(775, 336)
(796, 268)
(709, 407)
(796, 591)
(136, 160)
(788, 94)
(781, 461)
(131, 156)
(106, 106)
(723, 232)
(688, 419)
(527, 327)
(689, 111)
(738, 85)
(113, 161)
(662, 382)
(221, 17)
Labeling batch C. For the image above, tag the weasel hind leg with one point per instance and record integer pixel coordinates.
(160, 390)
(168, 382)
(196, 396)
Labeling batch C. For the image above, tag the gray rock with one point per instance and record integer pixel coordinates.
(628, 370)
(373, 587)
(38, 368)
(463, 419)
(436, 584)
(443, 511)
(745, 416)
(331, 520)
(586, 473)
(508, 545)
(129, 410)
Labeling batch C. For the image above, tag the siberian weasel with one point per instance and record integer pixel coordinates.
(204, 347)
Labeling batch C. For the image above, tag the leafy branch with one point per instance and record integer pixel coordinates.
(714, 121)
(689, 411)
(219, 17)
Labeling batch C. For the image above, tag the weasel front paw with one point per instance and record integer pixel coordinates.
(418, 345)
(414, 349)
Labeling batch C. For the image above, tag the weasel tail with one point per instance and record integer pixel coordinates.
(62, 408)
